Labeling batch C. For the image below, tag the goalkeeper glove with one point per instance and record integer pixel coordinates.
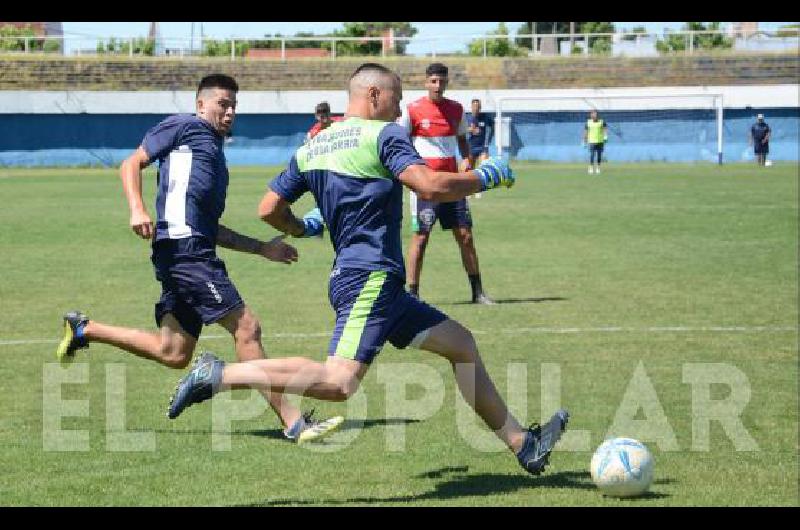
(494, 172)
(312, 224)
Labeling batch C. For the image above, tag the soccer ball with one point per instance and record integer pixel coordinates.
(767, 163)
(622, 467)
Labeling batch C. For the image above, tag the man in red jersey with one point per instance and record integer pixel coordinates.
(322, 112)
(438, 126)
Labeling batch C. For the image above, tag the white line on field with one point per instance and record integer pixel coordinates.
(510, 331)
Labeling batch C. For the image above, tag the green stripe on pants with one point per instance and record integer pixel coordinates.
(357, 319)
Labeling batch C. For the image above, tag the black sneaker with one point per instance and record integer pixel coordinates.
(74, 321)
(198, 385)
(539, 442)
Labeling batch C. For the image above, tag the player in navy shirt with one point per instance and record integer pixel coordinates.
(195, 288)
(481, 129)
(759, 138)
(355, 169)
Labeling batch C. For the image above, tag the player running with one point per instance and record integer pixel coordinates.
(195, 288)
(356, 170)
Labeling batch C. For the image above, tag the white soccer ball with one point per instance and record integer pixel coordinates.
(622, 467)
(767, 163)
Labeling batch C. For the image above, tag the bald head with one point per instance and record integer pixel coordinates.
(374, 92)
(371, 75)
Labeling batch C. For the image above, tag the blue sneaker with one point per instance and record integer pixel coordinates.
(74, 322)
(198, 385)
(539, 442)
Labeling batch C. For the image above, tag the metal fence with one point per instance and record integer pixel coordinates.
(329, 47)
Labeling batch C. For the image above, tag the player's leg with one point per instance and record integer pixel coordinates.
(599, 157)
(591, 158)
(456, 216)
(172, 346)
(359, 298)
(423, 217)
(427, 328)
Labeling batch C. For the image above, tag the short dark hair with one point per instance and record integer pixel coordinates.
(322, 107)
(436, 69)
(218, 81)
(476, 99)
(372, 66)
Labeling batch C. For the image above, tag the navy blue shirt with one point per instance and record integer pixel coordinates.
(351, 169)
(483, 121)
(759, 131)
(192, 177)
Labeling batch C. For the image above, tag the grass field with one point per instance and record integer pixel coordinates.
(626, 284)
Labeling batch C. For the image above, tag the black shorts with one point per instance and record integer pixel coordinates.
(195, 286)
(761, 149)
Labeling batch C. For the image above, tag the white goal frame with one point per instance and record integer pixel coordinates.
(507, 104)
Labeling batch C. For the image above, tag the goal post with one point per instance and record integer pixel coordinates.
(647, 127)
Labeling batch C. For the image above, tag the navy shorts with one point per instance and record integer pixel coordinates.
(450, 214)
(595, 148)
(761, 149)
(373, 307)
(195, 286)
(476, 151)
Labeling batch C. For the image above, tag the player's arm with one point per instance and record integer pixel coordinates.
(274, 250)
(131, 174)
(442, 186)
(277, 212)
(766, 136)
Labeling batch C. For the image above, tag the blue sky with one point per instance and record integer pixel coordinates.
(457, 32)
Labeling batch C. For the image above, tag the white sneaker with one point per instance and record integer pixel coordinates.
(597, 171)
(591, 170)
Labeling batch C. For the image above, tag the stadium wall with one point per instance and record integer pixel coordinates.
(100, 128)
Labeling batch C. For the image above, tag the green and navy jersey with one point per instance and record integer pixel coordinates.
(351, 168)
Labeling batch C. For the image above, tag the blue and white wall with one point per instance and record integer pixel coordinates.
(57, 128)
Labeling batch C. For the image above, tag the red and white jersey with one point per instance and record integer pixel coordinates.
(434, 128)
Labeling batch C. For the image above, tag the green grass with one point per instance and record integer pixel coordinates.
(642, 248)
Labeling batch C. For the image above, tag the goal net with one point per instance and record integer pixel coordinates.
(663, 128)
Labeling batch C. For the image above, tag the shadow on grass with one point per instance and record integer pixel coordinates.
(277, 434)
(511, 301)
(458, 484)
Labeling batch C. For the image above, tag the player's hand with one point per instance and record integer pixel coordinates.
(495, 172)
(276, 250)
(141, 224)
(465, 165)
(313, 225)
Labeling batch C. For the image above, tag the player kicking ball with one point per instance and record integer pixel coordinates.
(356, 170)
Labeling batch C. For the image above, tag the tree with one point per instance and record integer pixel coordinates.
(675, 43)
(598, 45)
(541, 27)
(499, 47)
(222, 48)
(371, 29)
(636, 29)
(141, 46)
(13, 38)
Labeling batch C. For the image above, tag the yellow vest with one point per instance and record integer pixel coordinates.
(595, 131)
